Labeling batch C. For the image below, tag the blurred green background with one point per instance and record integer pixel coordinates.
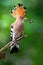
(31, 48)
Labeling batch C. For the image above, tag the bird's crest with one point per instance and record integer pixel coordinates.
(19, 11)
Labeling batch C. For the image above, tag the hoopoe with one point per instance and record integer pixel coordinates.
(17, 27)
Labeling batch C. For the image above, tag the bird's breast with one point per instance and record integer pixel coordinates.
(19, 28)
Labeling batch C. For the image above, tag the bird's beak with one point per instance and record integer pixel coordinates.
(30, 21)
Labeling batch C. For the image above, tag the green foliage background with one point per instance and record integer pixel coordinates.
(31, 48)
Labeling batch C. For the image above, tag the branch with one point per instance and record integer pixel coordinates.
(2, 50)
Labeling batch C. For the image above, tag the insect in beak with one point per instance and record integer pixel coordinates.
(30, 21)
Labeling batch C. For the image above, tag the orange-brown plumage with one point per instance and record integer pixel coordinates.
(20, 11)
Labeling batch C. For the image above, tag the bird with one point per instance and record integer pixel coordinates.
(17, 27)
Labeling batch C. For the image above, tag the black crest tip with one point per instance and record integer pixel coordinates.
(20, 4)
(24, 7)
(11, 10)
(14, 6)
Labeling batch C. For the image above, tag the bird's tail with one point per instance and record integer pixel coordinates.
(14, 48)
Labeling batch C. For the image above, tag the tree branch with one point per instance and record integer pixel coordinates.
(2, 50)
